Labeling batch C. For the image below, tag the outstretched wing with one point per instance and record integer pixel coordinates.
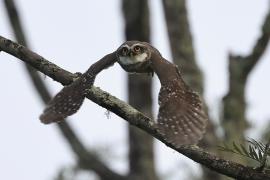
(65, 103)
(69, 100)
(181, 118)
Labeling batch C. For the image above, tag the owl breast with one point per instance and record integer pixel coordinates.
(135, 64)
(131, 60)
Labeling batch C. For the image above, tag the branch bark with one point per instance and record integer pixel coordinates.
(86, 159)
(133, 116)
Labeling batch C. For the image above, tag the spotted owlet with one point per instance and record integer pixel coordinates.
(181, 118)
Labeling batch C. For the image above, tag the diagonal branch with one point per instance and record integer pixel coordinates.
(86, 159)
(259, 48)
(133, 116)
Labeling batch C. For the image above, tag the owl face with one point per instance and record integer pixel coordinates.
(134, 56)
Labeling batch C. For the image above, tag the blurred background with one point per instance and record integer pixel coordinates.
(220, 47)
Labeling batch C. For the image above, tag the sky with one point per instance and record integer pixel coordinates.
(74, 35)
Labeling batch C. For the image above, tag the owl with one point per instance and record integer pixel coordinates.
(181, 119)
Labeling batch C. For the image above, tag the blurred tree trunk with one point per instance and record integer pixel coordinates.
(234, 106)
(87, 160)
(234, 118)
(181, 43)
(141, 153)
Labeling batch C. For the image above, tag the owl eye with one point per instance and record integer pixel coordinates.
(137, 48)
(124, 50)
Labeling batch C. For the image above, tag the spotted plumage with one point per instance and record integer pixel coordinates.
(181, 118)
(69, 100)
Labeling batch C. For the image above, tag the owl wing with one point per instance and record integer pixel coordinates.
(181, 118)
(65, 103)
(69, 100)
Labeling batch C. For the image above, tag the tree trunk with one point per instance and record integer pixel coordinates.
(141, 153)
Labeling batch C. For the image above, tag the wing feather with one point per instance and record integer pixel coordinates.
(181, 118)
(69, 100)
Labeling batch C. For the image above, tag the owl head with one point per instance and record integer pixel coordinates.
(134, 57)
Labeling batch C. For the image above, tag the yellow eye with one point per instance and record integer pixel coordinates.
(137, 48)
(124, 51)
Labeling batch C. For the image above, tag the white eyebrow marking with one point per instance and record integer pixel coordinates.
(137, 44)
(125, 45)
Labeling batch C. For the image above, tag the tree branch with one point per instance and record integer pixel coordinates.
(86, 159)
(131, 115)
(259, 48)
(234, 103)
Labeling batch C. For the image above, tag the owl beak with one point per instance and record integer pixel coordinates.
(130, 53)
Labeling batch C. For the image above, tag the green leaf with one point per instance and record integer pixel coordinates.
(253, 153)
(245, 152)
(255, 150)
(257, 144)
(260, 155)
(237, 148)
